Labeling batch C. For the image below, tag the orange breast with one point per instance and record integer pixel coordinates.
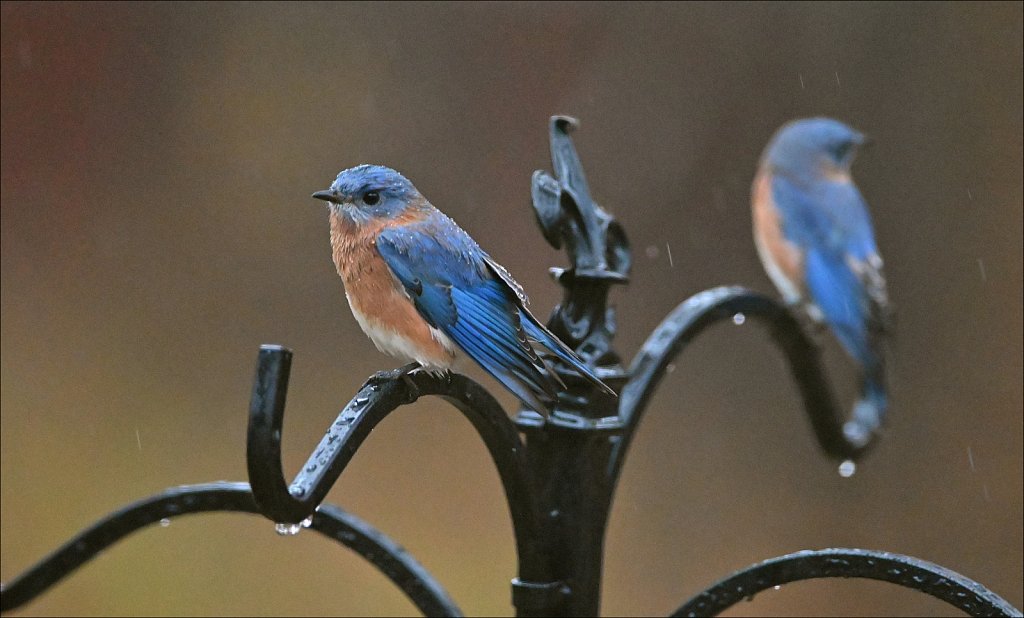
(378, 302)
(782, 259)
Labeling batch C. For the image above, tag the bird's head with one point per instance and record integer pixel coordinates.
(367, 192)
(812, 147)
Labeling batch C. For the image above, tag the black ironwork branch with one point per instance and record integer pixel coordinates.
(387, 556)
(380, 395)
(709, 307)
(960, 592)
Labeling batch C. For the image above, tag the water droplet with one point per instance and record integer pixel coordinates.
(776, 587)
(287, 529)
(296, 491)
(847, 468)
(311, 467)
(739, 319)
(165, 522)
(305, 523)
(361, 400)
(670, 368)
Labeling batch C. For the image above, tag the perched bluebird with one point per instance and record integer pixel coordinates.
(422, 289)
(814, 236)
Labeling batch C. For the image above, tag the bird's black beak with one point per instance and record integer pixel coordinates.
(328, 196)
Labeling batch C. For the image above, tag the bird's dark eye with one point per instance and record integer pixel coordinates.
(841, 151)
(370, 198)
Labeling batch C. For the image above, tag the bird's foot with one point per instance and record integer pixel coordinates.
(387, 375)
(405, 370)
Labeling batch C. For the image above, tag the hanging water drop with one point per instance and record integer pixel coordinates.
(287, 529)
(739, 319)
(165, 522)
(847, 468)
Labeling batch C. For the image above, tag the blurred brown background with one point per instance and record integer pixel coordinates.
(157, 227)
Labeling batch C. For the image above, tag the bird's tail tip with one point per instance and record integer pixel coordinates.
(868, 413)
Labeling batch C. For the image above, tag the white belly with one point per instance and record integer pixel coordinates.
(404, 348)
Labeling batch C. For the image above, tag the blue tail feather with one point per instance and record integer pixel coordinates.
(547, 339)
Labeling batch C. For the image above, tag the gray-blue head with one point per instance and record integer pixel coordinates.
(813, 146)
(365, 192)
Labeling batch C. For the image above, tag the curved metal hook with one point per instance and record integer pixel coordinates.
(702, 310)
(941, 583)
(386, 555)
(379, 396)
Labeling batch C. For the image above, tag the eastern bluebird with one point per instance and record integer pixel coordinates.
(422, 289)
(814, 236)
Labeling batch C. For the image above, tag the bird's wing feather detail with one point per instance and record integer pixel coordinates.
(540, 334)
(447, 280)
(830, 223)
(506, 276)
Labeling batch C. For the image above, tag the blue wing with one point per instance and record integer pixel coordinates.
(830, 223)
(459, 290)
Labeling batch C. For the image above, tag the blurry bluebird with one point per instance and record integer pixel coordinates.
(422, 289)
(813, 233)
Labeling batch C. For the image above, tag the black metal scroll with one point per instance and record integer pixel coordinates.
(960, 592)
(387, 556)
(380, 395)
(706, 308)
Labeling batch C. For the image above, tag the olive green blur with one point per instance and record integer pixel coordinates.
(157, 228)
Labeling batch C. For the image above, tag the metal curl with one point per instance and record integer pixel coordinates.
(702, 310)
(386, 555)
(939, 582)
(380, 395)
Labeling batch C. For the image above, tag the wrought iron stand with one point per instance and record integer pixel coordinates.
(559, 482)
